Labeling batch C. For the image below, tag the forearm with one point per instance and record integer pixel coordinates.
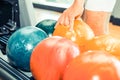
(75, 11)
(78, 3)
(100, 5)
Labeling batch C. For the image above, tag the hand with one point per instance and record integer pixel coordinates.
(69, 15)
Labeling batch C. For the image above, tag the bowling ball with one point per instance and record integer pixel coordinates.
(47, 25)
(106, 43)
(51, 56)
(93, 65)
(80, 34)
(21, 44)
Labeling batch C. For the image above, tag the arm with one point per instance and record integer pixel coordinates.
(71, 13)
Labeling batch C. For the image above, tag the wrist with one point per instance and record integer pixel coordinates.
(79, 4)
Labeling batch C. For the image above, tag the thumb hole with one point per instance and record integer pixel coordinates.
(78, 17)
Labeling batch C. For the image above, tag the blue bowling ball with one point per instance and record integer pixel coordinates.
(47, 25)
(21, 44)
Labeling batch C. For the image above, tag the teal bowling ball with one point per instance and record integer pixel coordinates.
(47, 25)
(21, 44)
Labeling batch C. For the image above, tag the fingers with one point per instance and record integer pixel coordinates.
(78, 17)
(67, 21)
(62, 21)
(71, 24)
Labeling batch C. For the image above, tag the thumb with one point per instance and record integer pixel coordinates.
(78, 17)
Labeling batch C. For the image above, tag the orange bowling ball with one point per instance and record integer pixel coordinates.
(106, 43)
(51, 56)
(80, 34)
(93, 65)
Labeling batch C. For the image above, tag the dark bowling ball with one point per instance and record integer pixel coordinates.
(47, 25)
(21, 44)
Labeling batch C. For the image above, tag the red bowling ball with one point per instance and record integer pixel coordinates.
(51, 56)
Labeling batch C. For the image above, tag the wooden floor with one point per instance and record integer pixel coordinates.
(115, 30)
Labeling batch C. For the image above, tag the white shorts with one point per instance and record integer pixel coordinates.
(100, 5)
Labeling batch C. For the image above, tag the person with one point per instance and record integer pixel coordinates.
(96, 13)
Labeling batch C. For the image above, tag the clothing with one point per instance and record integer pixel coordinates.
(100, 5)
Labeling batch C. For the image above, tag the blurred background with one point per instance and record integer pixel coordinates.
(15, 14)
(66, 3)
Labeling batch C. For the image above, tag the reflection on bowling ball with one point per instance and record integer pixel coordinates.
(21, 44)
(93, 65)
(47, 25)
(51, 56)
(80, 34)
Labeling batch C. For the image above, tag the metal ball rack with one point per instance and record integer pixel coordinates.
(9, 22)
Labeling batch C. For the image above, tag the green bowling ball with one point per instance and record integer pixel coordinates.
(47, 25)
(21, 44)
